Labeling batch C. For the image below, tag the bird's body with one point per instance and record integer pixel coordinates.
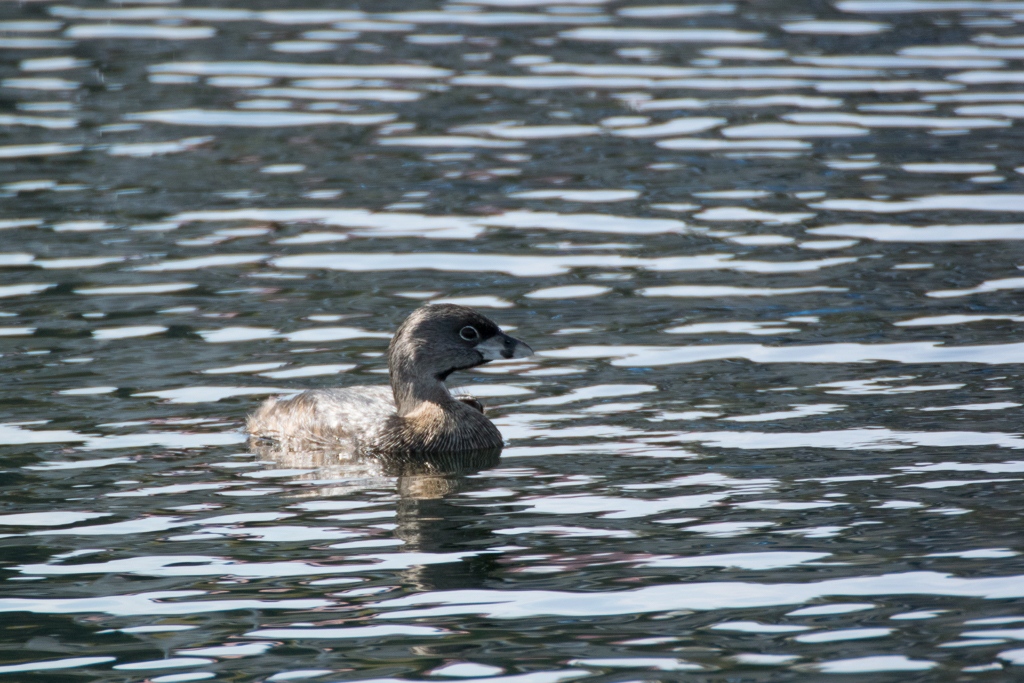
(415, 416)
(364, 419)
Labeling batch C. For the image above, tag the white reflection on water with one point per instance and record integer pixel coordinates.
(711, 144)
(907, 352)
(873, 664)
(584, 222)
(164, 288)
(879, 386)
(942, 167)
(138, 32)
(579, 195)
(617, 508)
(378, 631)
(78, 464)
(883, 232)
(309, 371)
(722, 290)
(753, 328)
(571, 532)
(499, 604)
(868, 438)
(466, 670)
(34, 43)
(128, 332)
(286, 70)
(1010, 466)
(490, 18)
(844, 634)
(531, 266)
(661, 35)
(841, 608)
(272, 534)
(243, 334)
(976, 406)
(375, 94)
(836, 27)
(39, 150)
(84, 262)
(53, 664)
(511, 129)
(447, 141)
(14, 434)
(757, 627)
(299, 674)
(878, 121)
(16, 331)
(170, 663)
(664, 11)
(955, 320)
(989, 286)
(765, 660)
(886, 86)
(254, 119)
(568, 292)
(955, 483)
(204, 565)
(760, 240)
(782, 505)
(30, 26)
(231, 650)
(656, 663)
(681, 126)
(150, 603)
(791, 130)
(207, 395)
(475, 301)
(50, 123)
(751, 561)
(248, 367)
(40, 83)
(952, 202)
(739, 213)
(722, 529)
(809, 102)
(22, 290)
(592, 392)
(48, 518)
(797, 412)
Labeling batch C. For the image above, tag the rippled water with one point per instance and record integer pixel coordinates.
(769, 255)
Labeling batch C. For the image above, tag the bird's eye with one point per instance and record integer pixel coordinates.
(469, 333)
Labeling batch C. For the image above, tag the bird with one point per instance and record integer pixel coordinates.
(415, 417)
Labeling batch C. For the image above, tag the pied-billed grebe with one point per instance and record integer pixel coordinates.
(415, 416)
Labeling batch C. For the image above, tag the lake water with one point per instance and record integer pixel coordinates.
(769, 255)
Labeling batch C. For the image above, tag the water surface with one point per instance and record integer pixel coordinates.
(769, 254)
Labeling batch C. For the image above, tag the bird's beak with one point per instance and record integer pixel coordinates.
(502, 347)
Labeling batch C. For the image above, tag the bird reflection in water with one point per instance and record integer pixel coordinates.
(329, 465)
(426, 520)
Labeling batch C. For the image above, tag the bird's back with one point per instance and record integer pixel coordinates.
(346, 418)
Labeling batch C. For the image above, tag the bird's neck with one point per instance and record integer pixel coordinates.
(414, 389)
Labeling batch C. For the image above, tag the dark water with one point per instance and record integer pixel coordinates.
(768, 253)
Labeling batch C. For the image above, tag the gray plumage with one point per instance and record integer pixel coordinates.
(413, 418)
